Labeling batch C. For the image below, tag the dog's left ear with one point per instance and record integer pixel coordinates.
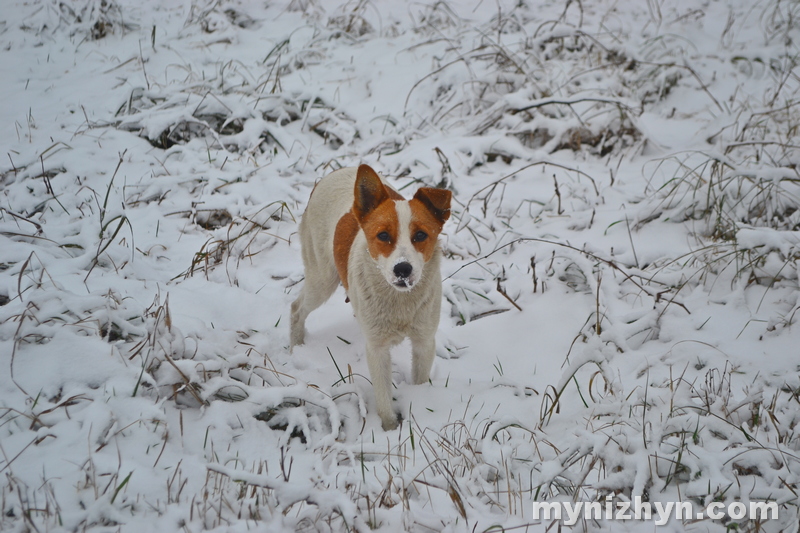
(437, 201)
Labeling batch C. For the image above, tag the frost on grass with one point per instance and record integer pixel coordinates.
(621, 281)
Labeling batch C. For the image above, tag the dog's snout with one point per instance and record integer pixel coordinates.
(402, 270)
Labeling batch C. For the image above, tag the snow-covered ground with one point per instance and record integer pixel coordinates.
(621, 292)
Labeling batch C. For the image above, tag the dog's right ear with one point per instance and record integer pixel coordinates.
(369, 192)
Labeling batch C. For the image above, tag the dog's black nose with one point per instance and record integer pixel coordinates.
(402, 270)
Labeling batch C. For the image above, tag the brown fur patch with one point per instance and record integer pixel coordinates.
(422, 219)
(343, 237)
(430, 209)
(437, 201)
(382, 218)
(374, 209)
(393, 194)
(369, 192)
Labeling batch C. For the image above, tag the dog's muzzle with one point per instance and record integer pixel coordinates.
(402, 272)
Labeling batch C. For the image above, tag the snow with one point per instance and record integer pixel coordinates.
(624, 172)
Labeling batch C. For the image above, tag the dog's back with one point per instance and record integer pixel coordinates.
(330, 200)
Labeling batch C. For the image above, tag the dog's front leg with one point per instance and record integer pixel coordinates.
(423, 351)
(379, 361)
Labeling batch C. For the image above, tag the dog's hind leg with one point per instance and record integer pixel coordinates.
(318, 287)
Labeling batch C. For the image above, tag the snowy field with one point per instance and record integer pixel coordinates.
(621, 293)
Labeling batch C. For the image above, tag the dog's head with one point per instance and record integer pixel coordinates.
(401, 234)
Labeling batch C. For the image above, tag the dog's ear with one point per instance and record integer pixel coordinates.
(437, 201)
(369, 192)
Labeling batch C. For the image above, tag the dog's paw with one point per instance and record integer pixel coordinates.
(297, 337)
(391, 422)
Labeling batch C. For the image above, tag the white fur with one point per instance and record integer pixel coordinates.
(386, 313)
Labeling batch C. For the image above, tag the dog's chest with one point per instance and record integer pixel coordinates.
(381, 307)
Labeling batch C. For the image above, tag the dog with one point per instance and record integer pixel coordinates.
(384, 249)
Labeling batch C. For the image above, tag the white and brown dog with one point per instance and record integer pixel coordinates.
(384, 249)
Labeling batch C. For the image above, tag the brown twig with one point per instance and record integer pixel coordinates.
(507, 297)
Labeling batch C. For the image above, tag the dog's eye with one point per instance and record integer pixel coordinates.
(420, 236)
(384, 236)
